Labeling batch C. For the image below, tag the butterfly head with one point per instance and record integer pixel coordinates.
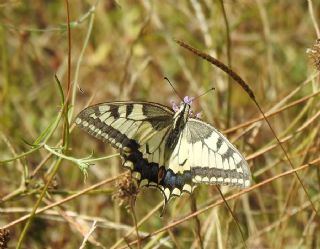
(185, 107)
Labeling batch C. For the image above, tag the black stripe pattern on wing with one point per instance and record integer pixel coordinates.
(219, 162)
(96, 121)
(105, 132)
(157, 176)
(99, 120)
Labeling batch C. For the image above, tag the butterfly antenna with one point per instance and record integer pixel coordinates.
(211, 89)
(175, 91)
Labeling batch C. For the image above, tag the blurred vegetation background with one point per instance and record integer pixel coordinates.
(122, 50)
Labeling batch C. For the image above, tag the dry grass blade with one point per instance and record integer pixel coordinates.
(65, 200)
(229, 62)
(65, 137)
(233, 216)
(86, 238)
(232, 197)
(247, 89)
(220, 65)
(270, 114)
(122, 51)
(197, 221)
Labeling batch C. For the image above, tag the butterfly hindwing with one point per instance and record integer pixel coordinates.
(203, 155)
(178, 178)
(213, 159)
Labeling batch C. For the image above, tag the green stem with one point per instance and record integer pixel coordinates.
(35, 207)
(21, 155)
(76, 160)
(76, 76)
(229, 96)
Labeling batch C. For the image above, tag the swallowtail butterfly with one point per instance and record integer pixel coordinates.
(171, 150)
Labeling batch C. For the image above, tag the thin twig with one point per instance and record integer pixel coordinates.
(39, 200)
(142, 221)
(77, 70)
(229, 61)
(134, 218)
(85, 239)
(314, 21)
(193, 203)
(65, 138)
(270, 114)
(231, 197)
(65, 200)
(248, 90)
(233, 216)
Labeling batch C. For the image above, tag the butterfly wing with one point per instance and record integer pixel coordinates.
(138, 129)
(124, 123)
(203, 155)
(178, 178)
(213, 159)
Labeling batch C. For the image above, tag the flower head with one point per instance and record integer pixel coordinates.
(127, 190)
(314, 54)
(175, 107)
(188, 100)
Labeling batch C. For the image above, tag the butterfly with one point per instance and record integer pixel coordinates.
(170, 149)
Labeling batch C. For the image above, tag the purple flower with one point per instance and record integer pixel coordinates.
(188, 100)
(175, 107)
(198, 115)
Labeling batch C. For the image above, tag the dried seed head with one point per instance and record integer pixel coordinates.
(4, 238)
(127, 190)
(314, 54)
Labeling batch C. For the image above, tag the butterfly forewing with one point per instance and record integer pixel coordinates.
(125, 124)
(138, 129)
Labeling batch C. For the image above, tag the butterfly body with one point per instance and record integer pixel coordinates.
(166, 149)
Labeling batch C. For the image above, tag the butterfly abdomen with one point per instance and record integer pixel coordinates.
(179, 123)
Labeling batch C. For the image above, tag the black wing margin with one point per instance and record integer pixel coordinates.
(213, 159)
(138, 129)
(125, 125)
